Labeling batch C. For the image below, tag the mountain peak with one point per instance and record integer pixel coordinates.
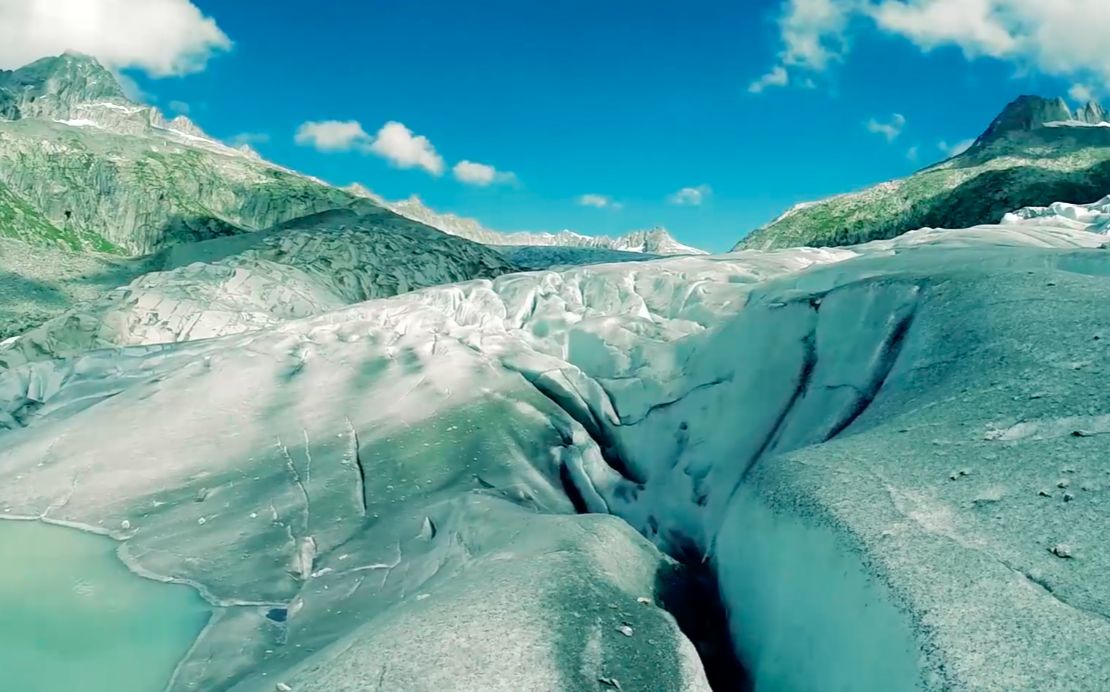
(51, 87)
(1026, 113)
(1092, 113)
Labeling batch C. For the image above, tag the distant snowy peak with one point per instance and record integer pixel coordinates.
(656, 241)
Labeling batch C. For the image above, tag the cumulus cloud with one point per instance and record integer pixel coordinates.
(973, 25)
(957, 148)
(394, 142)
(813, 35)
(1081, 93)
(333, 135)
(161, 37)
(813, 31)
(599, 201)
(890, 129)
(403, 149)
(778, 76)
(481, 174)
(691, 196)
(248, 138)
(1064, 39)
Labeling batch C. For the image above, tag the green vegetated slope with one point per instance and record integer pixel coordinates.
(22, 221)
(82, 167)
(1019, 161)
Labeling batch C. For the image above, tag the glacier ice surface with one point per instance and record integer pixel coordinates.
(860, 441)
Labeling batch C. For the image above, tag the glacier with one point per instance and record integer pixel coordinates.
(890, 456)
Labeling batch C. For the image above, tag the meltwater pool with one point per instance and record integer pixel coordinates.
(72, 617)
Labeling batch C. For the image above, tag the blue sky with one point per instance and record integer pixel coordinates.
(630, 100)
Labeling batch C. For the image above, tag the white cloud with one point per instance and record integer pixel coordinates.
(813, 31)
(1062, 38)
(481, 174)
(248, 138)
(599, 201)
(161, 37)
(913, 154)
(332, 135)
(179, 107)
(973, 25)
(691, 196)
(957, 148)
(778, 76)
(131, 88)
(1081, 93)
(393, 142)
(891, 130)
(398, 145)
(813, 35)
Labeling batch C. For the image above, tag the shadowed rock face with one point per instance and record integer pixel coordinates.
(1018, 161)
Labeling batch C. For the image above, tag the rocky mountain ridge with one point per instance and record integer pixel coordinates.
(1034, 153)
(83, 167)
(654, 241)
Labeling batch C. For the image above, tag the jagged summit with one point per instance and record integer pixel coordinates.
(1027, 113)
(53, 87)
(1093, 113)
(76, 89)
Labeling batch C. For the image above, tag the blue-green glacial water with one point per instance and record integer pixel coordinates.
(72, 617)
